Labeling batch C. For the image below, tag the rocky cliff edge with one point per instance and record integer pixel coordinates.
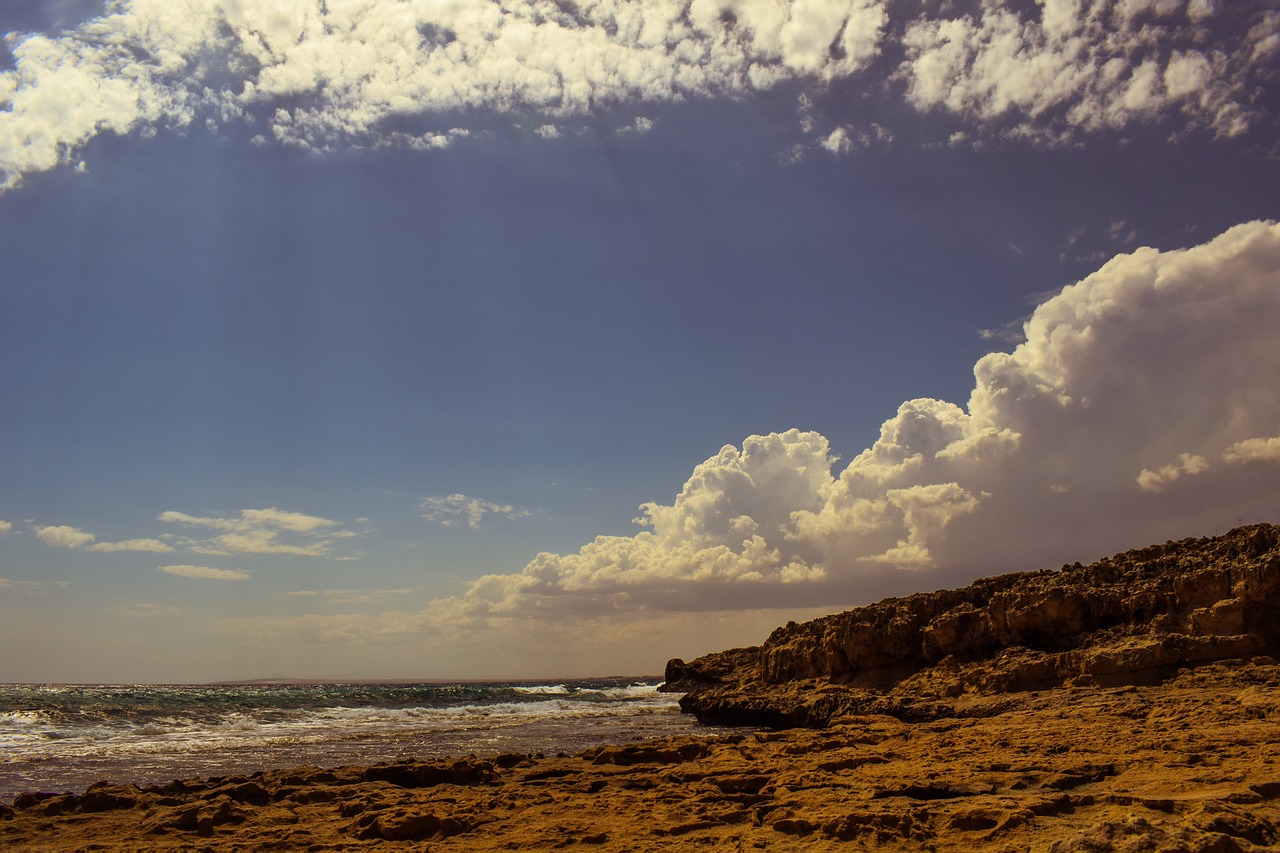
(1132, 619)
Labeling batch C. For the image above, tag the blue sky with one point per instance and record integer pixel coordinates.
(350, 339)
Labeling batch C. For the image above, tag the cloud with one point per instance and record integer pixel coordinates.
(1085, 65)
(353, 596)
(35, 587)
(326, 75)
(1037, 470)
(1253, 450)
(5, 526)
(845, 139)
(639, 126)
(453, 509)
(1159, 361)
(1006, 333)
(1155, 481)
(260, 531)
(837, 141)
(154, 546)
(205, 573)
(1121, 232)
(62, 536)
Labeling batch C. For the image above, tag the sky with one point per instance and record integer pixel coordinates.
(463, 339)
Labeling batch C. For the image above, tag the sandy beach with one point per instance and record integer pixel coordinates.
(1192, 765)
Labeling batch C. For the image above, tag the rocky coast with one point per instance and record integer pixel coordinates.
(1133, 704)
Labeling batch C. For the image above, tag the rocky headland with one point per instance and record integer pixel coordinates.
(1132, 619)
(1129, 705)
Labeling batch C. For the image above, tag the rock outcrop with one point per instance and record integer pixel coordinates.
(1132, 619)
(1191, 765)
(913, 724)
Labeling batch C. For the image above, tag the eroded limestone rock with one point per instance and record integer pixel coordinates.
(1134, 618)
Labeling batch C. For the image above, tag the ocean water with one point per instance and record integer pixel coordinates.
(66, 737)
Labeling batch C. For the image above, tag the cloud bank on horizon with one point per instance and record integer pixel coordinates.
(328, 74)
(1140, 403)
(1135, 404)
(1141, 393)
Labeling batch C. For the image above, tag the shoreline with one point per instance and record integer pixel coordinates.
(1133, 704)
(1190, 764)
(53, 756)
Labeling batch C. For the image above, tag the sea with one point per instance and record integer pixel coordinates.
(65, 737)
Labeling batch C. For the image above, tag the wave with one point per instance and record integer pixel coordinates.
(590, 691)
(115, 722)
(10, 719)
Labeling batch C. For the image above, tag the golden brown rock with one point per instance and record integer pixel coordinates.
(1135, 618)
(1189, 765)
(1158, 729)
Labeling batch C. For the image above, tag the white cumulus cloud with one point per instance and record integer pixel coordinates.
(63, 536)
(1253, 450)
(1159, 359)
(1083, 65)
(837, 141)
(1186, 463)
(1037, 469)
(327, 74)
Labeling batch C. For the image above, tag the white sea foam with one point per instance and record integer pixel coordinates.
(638, 691)
(66, 738)
(10, 719)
